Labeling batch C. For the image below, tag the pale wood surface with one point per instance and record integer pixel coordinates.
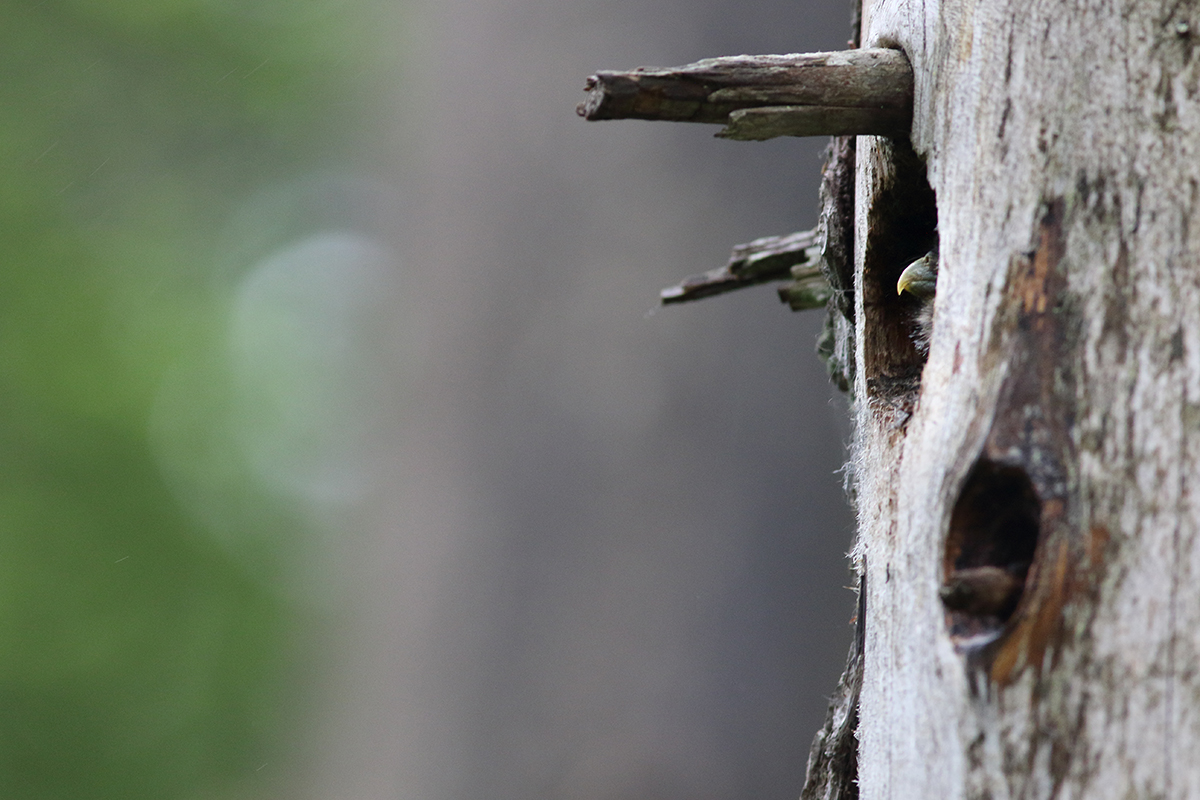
(1063, 144)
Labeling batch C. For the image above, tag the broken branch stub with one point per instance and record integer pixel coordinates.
(771, 258)
(866, 91)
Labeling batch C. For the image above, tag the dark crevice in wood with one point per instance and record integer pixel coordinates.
(902, 227)
(835, 230)
(836, 222)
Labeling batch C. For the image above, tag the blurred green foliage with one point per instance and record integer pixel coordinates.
(140, 655)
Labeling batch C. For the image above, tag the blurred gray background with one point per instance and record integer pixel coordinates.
(346, 452)
(604, 558)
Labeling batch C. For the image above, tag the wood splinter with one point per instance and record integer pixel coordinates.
(849, 92)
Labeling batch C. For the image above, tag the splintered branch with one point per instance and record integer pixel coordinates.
(772, 258)
(848, 92)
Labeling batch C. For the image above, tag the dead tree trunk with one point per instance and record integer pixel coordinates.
(1051, 438)
(1027, 448)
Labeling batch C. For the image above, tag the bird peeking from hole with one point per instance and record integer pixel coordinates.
(985, 591)
(920, 280)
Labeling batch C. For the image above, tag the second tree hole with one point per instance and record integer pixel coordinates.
(990, 545)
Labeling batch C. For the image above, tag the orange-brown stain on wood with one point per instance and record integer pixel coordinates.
(1033, 284)
(1032, 427)
(1072, 574)
(1039, 622)
(1097, 543)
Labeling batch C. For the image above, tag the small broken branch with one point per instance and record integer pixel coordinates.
(849, 92)
(810, 289)
(772, 258)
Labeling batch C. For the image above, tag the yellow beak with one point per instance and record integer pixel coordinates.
(919, 277)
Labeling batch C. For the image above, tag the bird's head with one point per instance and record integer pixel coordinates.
(920, 277)
(920, 280)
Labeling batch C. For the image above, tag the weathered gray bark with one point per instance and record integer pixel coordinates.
(1055, 426)
(761, 97)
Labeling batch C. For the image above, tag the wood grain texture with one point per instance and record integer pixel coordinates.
(1063, 144)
